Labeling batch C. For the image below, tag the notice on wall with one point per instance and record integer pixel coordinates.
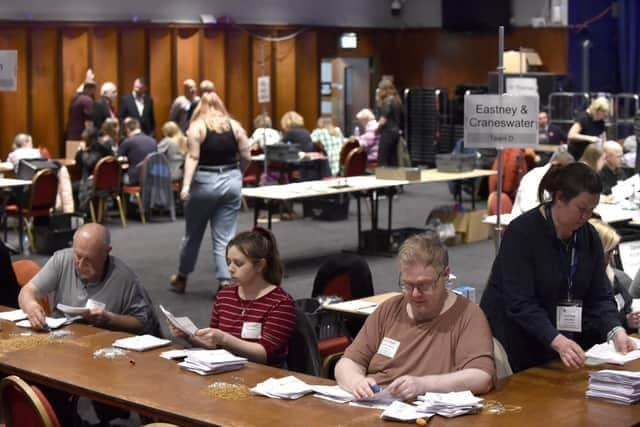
(8, 70)
(264, 90)
(522, 85)
(630, 257)
(500, 121)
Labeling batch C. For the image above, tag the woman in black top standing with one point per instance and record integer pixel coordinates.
(548, 280)
(589, 127)
(218, 154)
(390, 118)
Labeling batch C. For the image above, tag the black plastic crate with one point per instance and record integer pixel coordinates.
(55, 232)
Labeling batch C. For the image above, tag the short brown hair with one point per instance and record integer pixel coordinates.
(291, 119)
(258, 244)
(424, 249)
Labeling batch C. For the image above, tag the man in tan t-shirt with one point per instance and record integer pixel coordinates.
(428, 339)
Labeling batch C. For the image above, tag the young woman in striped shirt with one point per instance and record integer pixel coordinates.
(254, 317)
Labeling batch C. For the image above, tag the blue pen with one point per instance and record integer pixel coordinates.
(375, 388)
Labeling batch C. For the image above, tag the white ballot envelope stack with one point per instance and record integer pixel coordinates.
(140, 343)
(616, 386)
(403, 412)
(207, 362)
(606, 353)
(282, 388)
(449, 404)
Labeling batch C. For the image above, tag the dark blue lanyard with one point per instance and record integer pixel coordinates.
(572, 262)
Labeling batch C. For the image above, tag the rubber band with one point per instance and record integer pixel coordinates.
(494, 407)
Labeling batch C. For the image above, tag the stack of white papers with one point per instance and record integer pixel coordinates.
(449, 404)
(74, 311)
(400, 411)
(13, 316)
(140, 343)
(606, 353)
(333, 393)
(206, 362)
(616, 386)
(182, 323)
(282, 388)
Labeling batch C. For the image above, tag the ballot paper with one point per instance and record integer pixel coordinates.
(207, 362)
(400, 411)
(616, 386)
(67, 309)
(282, 388)
(449, 404)
(182, 323)
(140, 342)
(606, 353)
(52, 322)
(13, 315)
(333, 393)
(354, 305)
(380, 400)
(174, 354)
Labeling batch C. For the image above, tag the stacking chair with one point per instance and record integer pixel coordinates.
(25, 269)
(303, 353)
(503, 367)
(24, 405)
(42, 200)
(106, 185)
(347, 147)
(355, 163)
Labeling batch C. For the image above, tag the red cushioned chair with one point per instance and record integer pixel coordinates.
(347, 147)
(42, 200)
(106, 185)
(25, 269)
(24, 405)
(355, 163)
(505, 206)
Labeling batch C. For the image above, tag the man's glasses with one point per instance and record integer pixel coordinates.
(423, 287)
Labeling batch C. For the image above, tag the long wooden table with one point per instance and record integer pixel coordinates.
(158, 388)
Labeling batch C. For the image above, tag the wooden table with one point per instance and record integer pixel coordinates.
(158, 388)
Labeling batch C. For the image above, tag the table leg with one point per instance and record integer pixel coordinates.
(256, 211)
(269, 213)
(357, 196)
(473, 194)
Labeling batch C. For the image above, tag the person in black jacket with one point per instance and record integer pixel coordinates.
(139, 105)
(103, 108)
(548, 280)
(8, 280)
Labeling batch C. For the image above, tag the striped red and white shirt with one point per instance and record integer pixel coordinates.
(275, 311)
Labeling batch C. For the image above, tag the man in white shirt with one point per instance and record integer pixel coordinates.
(23, 149)
(527, 195)
(183, 104)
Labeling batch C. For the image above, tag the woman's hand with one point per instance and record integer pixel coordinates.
(184, 193)
(208, 337)
(570, 352)
(177, 332)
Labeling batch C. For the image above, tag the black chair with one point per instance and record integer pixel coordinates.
(303, 353)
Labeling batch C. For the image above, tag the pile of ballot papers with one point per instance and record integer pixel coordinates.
(449, 404)
(206, 362)
(282, 388)
(606, 353)
(617, 386)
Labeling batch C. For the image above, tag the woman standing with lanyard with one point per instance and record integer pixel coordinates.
(211, 186)
(549, 277)
(390, 118)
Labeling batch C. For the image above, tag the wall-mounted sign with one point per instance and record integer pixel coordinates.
(8, 70)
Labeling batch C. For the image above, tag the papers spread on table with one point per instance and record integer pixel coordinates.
(282, 388)
(52, 322)
(400, 411)
(449, 404)
(616, 386)
(381, 400)
(606, 353)
(365, 307)
(182, 323)
(13, 315)
(140, 342)
(207, 362)
(333, 393)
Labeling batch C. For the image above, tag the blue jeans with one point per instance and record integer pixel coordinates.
(215, 198)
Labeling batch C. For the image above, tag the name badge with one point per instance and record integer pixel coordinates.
(251, 331)
(619, 301)
(388, 347)
(569, 316)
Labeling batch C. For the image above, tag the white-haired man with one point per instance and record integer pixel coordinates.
(183, 104)
(103, 107)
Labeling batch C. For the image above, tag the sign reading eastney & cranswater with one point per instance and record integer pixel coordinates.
(499, 121)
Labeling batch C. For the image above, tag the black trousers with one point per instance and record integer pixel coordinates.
(388, 147)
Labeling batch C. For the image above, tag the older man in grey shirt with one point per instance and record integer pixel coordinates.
(87, 272)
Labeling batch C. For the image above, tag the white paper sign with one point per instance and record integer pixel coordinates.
(499, 121)
(630, 257)
(522, 86)
(264, 89)
(8, 70)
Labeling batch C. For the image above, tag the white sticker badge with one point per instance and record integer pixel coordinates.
(388, 347)
(569, 316)
(251, 331)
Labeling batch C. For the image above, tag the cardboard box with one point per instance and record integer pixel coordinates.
(409, 174)
(516, 62)
(470, 226)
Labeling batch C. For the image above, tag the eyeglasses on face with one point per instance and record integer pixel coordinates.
(424, 287)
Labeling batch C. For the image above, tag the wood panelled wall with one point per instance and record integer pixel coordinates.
(53, 58)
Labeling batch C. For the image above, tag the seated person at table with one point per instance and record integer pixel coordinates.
(331, 138)
(254, 317)
(549, 279)
(263, 134)
(294, 132)
(527, 195)
(368, 137)
(612, 171)
(10, 287)
(23, 149)
(135, 148)
(87, 271)
(618, 279)
(87, 157)
(427, 340)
